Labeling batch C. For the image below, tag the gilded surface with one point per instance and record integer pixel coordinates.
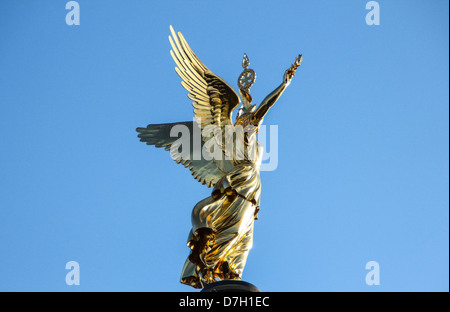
(222, 224)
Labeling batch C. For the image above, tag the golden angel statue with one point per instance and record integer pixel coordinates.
(224, 158)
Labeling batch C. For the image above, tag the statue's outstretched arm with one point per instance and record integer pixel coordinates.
(270, 100)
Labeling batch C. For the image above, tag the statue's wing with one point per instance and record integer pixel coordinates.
(214, 100)
(204, 171)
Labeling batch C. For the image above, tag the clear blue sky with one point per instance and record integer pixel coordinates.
(363, 142)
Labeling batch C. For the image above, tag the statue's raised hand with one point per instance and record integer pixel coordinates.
(289, 74)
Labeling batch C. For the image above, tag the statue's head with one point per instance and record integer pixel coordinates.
(245, 81)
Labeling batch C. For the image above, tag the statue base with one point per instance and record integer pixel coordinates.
(230, 286)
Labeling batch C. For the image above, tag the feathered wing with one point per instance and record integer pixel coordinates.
(204, 171)
(213, 99)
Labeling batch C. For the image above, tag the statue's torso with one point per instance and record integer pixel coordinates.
(248, 149)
